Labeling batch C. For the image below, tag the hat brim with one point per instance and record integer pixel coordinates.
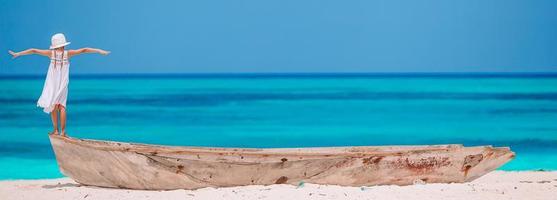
(60, 45)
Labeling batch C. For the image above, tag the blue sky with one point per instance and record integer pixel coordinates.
(222, 36)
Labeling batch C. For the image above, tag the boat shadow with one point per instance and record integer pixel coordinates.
(76, 185)
(59, 185)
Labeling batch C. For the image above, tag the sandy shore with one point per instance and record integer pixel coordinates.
(496, 185)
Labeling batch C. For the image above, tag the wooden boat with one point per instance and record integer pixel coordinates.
(152, 167)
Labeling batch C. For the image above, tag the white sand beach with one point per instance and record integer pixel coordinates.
(496, 185)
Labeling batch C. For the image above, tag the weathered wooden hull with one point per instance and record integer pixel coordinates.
(151, 167)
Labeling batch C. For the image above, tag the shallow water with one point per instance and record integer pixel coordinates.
(308, 110)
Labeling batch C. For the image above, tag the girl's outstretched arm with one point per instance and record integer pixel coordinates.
(87, 50)
(30, 51)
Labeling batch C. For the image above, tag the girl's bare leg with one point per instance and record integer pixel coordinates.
(54, 118)
(62, 119)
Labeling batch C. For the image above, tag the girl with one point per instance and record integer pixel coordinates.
(55, 89)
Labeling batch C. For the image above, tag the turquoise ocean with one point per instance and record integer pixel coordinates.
(286, 110)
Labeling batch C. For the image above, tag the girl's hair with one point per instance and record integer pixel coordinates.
(61, 60)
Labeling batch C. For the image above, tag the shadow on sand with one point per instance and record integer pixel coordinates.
(59, 185)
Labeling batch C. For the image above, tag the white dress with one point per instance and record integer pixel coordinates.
(55, 89)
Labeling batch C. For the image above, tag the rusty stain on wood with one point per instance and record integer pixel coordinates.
(422, 164)
(180, 168)
(281, 180)
(466, 169)
(471, 161)
(372, 160)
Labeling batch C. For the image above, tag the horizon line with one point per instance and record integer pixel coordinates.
(301, 75)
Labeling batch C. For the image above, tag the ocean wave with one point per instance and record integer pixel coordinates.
(207, 99)
(32, 150)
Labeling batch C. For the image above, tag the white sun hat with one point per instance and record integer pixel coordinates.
(58, 40)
